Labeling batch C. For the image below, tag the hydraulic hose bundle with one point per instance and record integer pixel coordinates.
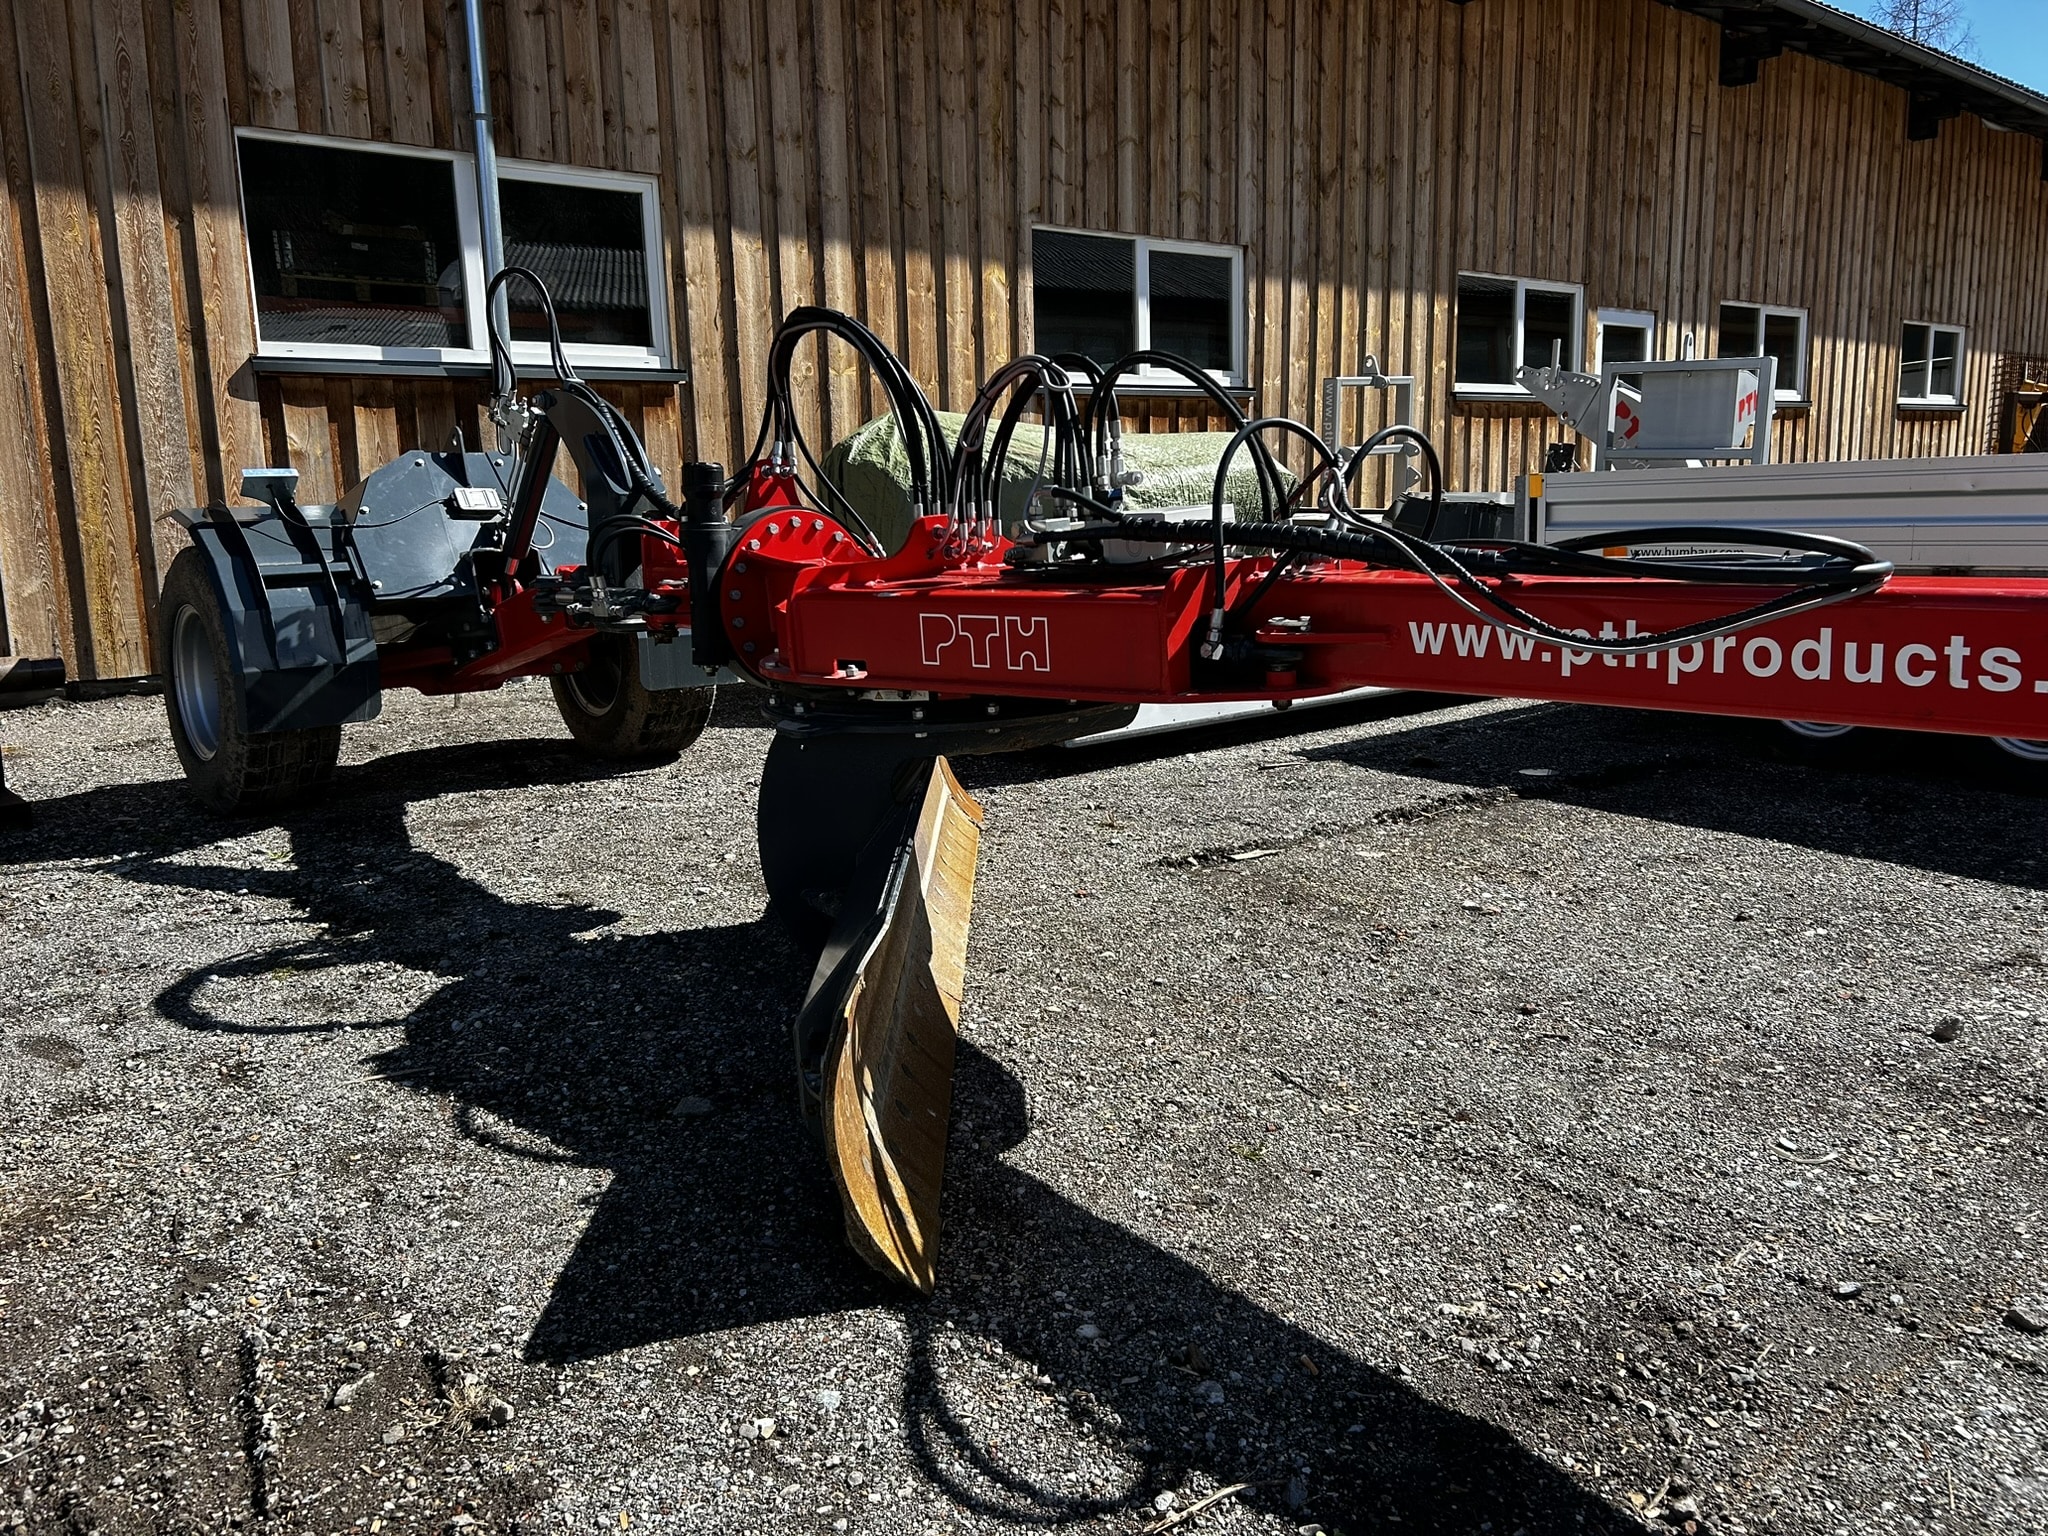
(1081, 467)
(613, 450)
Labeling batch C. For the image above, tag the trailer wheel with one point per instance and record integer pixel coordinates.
(228, 767)
(1816, 730)
(2025, 750)
(613, 714)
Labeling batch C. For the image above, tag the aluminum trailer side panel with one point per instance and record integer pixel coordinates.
(1985, 514)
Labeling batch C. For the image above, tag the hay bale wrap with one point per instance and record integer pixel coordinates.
(872, 471)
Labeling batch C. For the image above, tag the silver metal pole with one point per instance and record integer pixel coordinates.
(486, 158)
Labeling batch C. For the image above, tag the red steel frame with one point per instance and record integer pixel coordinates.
(804, 606)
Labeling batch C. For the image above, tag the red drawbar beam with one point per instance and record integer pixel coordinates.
(1923, 653)
(528, 644)
(1967, 655)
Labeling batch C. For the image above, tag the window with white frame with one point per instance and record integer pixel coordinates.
(1507, 322)
(1624, 336)
(1762, 330)
(1106, 295)
(1930, 365)
(363, 252)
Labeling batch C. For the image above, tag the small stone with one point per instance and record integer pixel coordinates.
(2027, 1316)
(1088, 1331)
(855, 1478)
(765, 1428)
(345, 1394)
(1209, 1391)
(1297, 1492)
(751, 1430)
(1848, 1290)
(501, 1412)
(1164, 1502)
(691, 1104)
(1946, 1031)
(827, 1398)
(394, 1434)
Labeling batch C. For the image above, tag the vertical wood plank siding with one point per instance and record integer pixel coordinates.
(892, 158)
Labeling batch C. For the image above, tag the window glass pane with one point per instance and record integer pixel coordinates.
(1738, 331)
(1624, 343)
(353, 247)
(589, 245)
(1782, 340)
(1085, 292)
(1190, 302)
(1913, 363)
(1486, 331)
(1945, 369)
(1549, 323)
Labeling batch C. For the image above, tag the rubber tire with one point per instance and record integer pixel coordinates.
(248, 771)
(612, 714)
(2023, 751)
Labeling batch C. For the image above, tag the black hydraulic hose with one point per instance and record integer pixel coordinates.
(924, 441)
(1429, 454)
(614, 529)
(1249, 432)
(1270, 481)
(1866, 576)
(1049, 382)
(504, 376)
(1120, 519)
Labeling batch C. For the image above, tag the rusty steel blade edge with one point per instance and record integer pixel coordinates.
(888, 1078)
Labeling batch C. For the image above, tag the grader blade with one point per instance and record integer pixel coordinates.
(888, 1070)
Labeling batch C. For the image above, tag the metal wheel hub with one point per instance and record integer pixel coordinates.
(597, 686)
(1816, 730)
(2023, 749)
(195, 685)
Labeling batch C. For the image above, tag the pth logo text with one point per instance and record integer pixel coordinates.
(992, 641)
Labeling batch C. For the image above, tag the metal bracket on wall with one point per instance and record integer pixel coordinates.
(1403, 387)
(1743, 55)
(1926, 114)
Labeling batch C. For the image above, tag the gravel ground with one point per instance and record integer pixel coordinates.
(1437, 1117)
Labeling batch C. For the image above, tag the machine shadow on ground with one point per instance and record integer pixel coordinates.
(663, 1058)
(1950, 805)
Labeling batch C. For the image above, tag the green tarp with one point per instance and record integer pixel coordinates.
(872, 471)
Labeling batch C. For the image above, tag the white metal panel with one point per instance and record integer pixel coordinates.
(1985, 513)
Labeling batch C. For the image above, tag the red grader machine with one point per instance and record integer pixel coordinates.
(456, 571)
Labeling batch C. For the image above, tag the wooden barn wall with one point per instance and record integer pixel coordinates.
(891, 160)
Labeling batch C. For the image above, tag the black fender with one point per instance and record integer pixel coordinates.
(298, 631)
